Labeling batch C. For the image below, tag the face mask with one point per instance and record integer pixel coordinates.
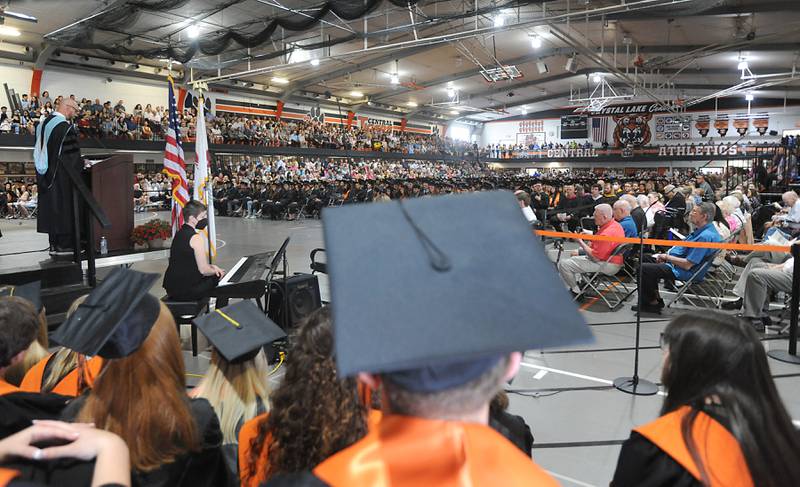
(201, 224)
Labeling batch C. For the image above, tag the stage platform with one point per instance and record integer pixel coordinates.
(578, 419)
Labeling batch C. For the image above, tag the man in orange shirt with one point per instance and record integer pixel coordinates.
(592, 257)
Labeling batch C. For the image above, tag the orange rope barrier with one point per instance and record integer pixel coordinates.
(668, 243)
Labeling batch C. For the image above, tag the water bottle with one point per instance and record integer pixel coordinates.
(103, 246)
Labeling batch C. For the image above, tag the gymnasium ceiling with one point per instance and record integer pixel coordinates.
(669, 49)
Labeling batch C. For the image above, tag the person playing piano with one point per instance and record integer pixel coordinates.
(189, 276)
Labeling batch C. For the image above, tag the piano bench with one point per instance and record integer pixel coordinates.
(184, 312)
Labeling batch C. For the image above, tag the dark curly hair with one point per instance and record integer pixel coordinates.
(314, 414)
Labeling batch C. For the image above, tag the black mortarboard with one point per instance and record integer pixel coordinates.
(239, 331)
(115, 318)
(31, 291)
(435, 290)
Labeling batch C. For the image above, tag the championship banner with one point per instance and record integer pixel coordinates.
(721, 125)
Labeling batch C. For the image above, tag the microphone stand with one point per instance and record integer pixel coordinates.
(634, 384)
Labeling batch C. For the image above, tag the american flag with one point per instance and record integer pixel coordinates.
(599, 129)
(175, 163)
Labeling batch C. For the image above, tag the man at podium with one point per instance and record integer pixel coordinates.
(57, 147)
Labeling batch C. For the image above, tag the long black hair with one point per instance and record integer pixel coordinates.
(717, 363)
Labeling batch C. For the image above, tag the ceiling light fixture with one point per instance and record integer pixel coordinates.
(395, 80)
(454, 112)
(499, 20)
(279, 81)
(193, 31)
(315, 62)
(536, 41)
(742, 65)
(9, 31)
(451, 92)
(412, 104)
(356, 94)
(597, 77)
(748, 97)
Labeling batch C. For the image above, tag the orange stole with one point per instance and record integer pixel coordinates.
(409, 452)
(6, 476)
(249, 431)
(6, 388)
(68, 386)
(719, 451)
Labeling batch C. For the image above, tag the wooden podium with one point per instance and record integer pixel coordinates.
(112, 187)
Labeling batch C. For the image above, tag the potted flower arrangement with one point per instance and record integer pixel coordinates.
(152, 234)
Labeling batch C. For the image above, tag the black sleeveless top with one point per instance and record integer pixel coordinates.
(182, 273)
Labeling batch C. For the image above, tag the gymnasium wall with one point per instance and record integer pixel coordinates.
(657, 128)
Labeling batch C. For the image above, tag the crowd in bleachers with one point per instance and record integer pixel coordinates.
(120, 120)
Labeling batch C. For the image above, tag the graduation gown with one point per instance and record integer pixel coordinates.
(19, 409)
(407, 451)
(250, 430)
(68, 386)
(656, 455)
(205, 467)
(55, 187)
(6, 388)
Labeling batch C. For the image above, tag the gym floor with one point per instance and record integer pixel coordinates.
(578, 419)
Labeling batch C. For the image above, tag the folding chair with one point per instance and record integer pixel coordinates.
(615, 289)
(698, 291)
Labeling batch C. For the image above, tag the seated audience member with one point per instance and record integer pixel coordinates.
(654, 206)
(788, 221)
(595, 253)
(721, 224)
(524, 200)
(734, 200)
(727, 213)
(568, 209)
(755, 285)
(436, 393)
(37, 350)
(19, 324)
(637, 213)
(189, 276)
(513, 427)
(722, 422)
(679, 262)
(235, 383)
(65, 371)
(622, 214)
(140, 394)
(80, 442)
(313, 415)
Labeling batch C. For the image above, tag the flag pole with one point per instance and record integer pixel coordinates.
(200, 88)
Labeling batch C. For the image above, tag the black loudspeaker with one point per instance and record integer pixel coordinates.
(288, 306)
(773, 133)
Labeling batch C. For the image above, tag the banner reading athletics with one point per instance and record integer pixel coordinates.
(202, 183)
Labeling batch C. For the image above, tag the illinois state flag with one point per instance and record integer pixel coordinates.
(202, 182)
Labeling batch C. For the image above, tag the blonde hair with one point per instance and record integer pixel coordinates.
(64, 360)
(234, 391)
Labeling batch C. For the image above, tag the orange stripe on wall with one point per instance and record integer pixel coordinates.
(36, 82)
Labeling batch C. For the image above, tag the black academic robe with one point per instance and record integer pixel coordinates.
(205, 467)
(643, 463)
(514, 428)
(55, 186)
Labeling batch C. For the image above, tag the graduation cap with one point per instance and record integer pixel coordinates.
(435, 290)
(31, 291)
(115, 318)
(239, 331)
